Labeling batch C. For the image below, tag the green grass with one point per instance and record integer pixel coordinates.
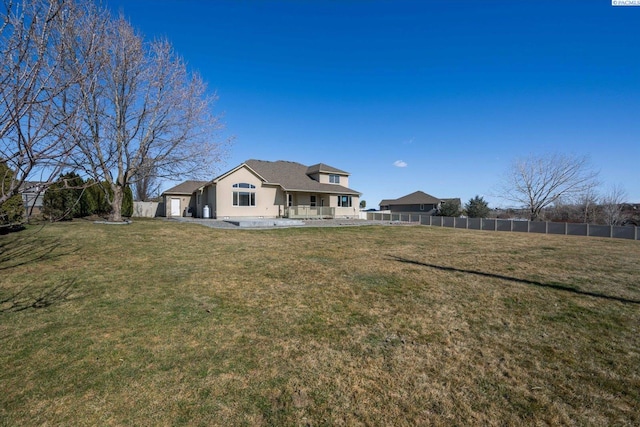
(159, 323)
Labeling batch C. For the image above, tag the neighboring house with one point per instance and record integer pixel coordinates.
(178, 200)
(32, 197)
(419, 202)
(263, 189)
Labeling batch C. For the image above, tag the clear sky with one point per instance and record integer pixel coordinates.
(431, 95)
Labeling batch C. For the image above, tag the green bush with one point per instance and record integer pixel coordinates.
(63, 200)
(477, 208)
(12, 210)
(97, 199)
(450, 208)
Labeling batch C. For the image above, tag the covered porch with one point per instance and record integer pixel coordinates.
(307, 205)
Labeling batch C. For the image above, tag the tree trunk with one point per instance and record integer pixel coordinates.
(116, 203)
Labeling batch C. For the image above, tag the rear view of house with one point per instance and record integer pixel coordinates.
(264, 189)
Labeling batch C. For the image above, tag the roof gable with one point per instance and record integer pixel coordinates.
(415, 198)
(321, 167)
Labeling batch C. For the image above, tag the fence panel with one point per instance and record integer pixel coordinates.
(461, 222)
(488, 224)
(146, 209)
(537, 227)
(521, 226)
(621, 232)
(557, 228)
(577, 229)
(448, 221)
(503, 225)
(599, 231)
(475, 223)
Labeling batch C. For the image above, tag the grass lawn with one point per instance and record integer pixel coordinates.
(159, 323)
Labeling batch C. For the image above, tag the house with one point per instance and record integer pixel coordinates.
(33, 197)
(178, 201)
(419, 202)
(265, 189)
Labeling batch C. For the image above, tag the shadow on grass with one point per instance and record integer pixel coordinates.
(30, 248)
(31, 297)
(560, 287)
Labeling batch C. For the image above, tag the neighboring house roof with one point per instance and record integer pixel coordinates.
(186, 187)
(454, 200)
(293, 176)
(416, 198)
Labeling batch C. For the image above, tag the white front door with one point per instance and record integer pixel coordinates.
(175, 207)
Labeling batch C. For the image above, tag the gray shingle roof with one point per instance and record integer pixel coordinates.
(416, 198)
(293, 176)
(321, 167)
(186, 187)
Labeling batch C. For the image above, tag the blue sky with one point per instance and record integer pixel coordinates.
(438, 96)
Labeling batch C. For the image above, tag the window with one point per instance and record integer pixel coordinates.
(421, 207)
(244, 198)
(312, 201)
(334, 179)
(344, 201)
(289, 200)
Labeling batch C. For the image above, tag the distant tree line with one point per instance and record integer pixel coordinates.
(606, 209)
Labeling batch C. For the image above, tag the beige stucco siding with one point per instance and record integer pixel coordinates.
(266, 200)
(207, 198)
(323, 178)
(185, 202)
(352, 211)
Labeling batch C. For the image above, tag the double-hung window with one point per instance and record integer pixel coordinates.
(344, 201)
(334, 179)
(244, 194)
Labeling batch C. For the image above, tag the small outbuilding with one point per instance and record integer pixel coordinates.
(178, 200)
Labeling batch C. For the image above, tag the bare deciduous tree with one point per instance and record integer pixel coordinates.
(36, 117)
(145, 182)
(612, 205)
(587, 204)
(144, 113)
(537, 181)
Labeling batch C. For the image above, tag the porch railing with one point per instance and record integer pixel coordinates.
(310, 212)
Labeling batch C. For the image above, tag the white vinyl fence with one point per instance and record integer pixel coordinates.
(493, 224)
(146, 209)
